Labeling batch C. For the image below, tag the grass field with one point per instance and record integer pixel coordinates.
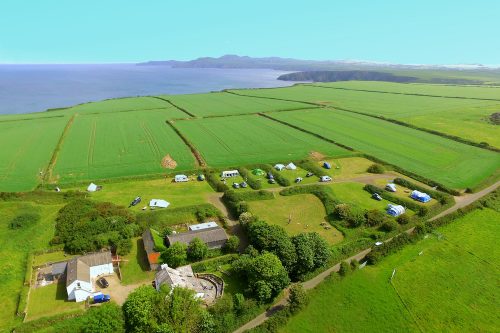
(27, 149)
(222, 103)
(50, 300)
(244, 140)
(448, 284)
(16, 244)
(135, 268)
(107, 146)
(460, 117)
(307, 213)
(353, 194)
(451, 163)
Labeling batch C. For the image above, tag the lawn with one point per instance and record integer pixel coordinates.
(222, 103)
(106, 145)
(436, 279)
(135, 268)
(306, 212)
(26, 150)
(347, 168)
(451, 163)
(460, 117)
(51, 257)
(16, 244)
(241, 140)
(353, 194)
(50, 300)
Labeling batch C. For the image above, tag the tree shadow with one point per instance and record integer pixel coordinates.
(142, 256)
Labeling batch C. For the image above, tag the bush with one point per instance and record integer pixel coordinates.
(345, 268)
(375, 217)
(197, 249)
(356, 218)
(403, 219)
(389, 226)
(213, 179)
(298, 298)
(376, 168)
(24, 220)
(354, 264)
(232, 244)
(312, 166)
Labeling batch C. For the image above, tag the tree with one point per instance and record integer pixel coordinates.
(321, 249)
(246, 218)
(298, 298)
(175, 255)
(305, 254)
(197, 249)
(376, 168)
(107, 318)
(232, 244)
(375, 217)
(139, 310)
(345, 268)
(263, 291)
(206, 323)
(238, 301)
(180, 309)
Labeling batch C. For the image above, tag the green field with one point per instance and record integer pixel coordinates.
(306, 212)
(107, 146)
(222, 103)
(49, 301)
(447, 284)
(451, 163)
(27, 149)
(459, 117)
(244, 140)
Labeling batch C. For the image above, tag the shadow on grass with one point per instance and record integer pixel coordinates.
(141, 256)
(61, 292)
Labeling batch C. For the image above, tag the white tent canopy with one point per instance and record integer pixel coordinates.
(279, 167)
(159, 203)
(92, 187)
(291, 166)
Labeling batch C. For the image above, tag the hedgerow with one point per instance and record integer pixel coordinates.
(254, 183)
(213, 179)
(312, 166)
(441, 197)
(421, 210)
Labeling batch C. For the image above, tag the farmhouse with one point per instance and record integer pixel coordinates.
(420, 196)
(214, 237)
(230, 173)
(181, 178)
(395, 210)
(149, 246)
(81, 271)
(159, 203)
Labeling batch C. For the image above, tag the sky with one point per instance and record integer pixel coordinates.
(111, 31)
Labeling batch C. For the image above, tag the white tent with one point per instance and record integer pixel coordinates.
(181, 178)
(395, 210)
(92, 187)
(291, 166)
(391, 187)
(159, 203)
(229, 173)
(279, 167)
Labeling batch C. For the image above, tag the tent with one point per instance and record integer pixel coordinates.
(92, 187)
(395, 210)
(181, 178)
(390, 187)
(420, 196)
(230, 173)
(258, 172)
(291, 166)
(159, 203)
(279, 167)
(327, 165)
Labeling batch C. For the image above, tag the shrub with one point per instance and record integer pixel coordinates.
(298, 298)
(345, 268)
(354, 264)
(197, 249)
(375, 217)
(356, 218)
(342, 211)
(24, 220)
(403, 219)
(254, 183)
(313, 167)
(389, 226)
(376, 168)
(232, 244)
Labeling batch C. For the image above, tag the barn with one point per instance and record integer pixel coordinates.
(214, 237)
(149, 247)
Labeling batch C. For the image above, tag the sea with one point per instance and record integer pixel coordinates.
(36, 88)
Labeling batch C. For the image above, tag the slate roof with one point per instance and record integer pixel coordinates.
(79, 268)
(211, 236)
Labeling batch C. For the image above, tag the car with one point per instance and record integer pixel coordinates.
(103, 282)
(376, 196)
(101, 298)
(270, 175)
(379, 243)
(244, 185)
(298, 179)
(236, 185)
(326, 179)
(271, 181)
(135, 201)
(309, 174)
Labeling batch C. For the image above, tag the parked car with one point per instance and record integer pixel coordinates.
(244, 185)
(270, 175)
(103, 282)
(309, 174)
(271, 181)
(298, 179)
(101, 298)
(236, 185)
(379, 243)
(326, 179)
(135, 201)
(201, 177)
(376, 196)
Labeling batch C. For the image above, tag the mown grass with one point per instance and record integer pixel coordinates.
(110, 145)
(50, 300)
(306, 212)
(451, 163)
(244, 140)
(135, 267)
(446, 283)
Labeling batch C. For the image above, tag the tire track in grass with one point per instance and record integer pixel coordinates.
(90, 153)
(151, 141)
(55, 155)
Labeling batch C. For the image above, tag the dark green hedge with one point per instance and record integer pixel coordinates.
(213, 178)
(312, 166)
(420, 210)
(249, 178)
(443, 198)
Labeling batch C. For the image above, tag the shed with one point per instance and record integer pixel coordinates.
(291, 166)
(149, 247)
(420, 196)
(395, 210)
(279, 167)
(159, 203)
(327, 165)
(391, 187)
(181, 178)
(230, 173)
(258, 172)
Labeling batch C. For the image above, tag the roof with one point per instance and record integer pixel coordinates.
(97, 259)
(79, 268)
(147, 239)
(174, 277)
(209, 235)
(201, 226)
(59, 268)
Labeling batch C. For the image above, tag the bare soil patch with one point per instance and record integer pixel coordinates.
(315, 155)
(168, 162)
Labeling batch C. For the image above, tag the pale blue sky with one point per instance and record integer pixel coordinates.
(95, 31)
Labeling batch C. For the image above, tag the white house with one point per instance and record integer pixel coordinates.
(81, 271)
(291, 166)
(230, 173)
(181, 178)
(159, 203)
(279, 167)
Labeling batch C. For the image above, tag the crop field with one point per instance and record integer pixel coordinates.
(26, 151)
(306, 213)
(222, 103)
(459, 117)
(451, 163)
(107, 146)
(244, 140)
(447, 283)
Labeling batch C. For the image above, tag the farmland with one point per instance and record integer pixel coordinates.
(107, 146)
(451, 163)
(447, 283)
(244, 140)
(28, 152)
(222, 103)
(459, 117)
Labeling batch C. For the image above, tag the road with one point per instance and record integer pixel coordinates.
(460, 202)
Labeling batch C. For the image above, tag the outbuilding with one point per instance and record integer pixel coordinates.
(214, 237)
(230, 173)
(202, 226)
(159, 203)
(181, 178)
(395, 210)
(420, 196)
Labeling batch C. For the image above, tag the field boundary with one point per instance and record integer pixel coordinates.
(197, 156)
(274, 98)
(28, 119)
(175, 106)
